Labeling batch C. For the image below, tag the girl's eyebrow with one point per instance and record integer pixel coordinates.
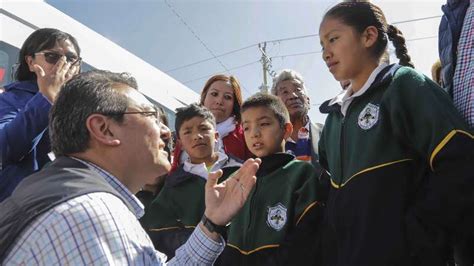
(332, 31)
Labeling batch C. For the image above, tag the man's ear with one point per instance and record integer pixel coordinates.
(369, 36)
(216, 136)
(100, 130)
(288, 129)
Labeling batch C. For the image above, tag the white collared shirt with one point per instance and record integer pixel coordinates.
(201, 169)
(345, 98)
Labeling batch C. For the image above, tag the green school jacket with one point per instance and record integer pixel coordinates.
(280, 217)
(174, 213)
(402, 176)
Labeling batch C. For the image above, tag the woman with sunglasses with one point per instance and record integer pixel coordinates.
(47, 59)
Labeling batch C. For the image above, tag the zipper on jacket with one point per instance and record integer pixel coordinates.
(343, 142)
(341, 151)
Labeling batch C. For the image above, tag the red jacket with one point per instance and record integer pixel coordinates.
(234, 144)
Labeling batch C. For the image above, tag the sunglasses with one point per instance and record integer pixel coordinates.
(53, 58)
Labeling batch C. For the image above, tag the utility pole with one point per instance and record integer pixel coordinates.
(264, 60)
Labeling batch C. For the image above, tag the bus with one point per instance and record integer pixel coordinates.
(18, 19)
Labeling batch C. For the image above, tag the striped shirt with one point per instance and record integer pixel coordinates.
(463, 80)
(99, 229)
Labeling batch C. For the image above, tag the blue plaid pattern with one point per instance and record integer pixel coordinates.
(99, 229)
(463, 80)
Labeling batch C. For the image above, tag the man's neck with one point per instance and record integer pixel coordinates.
(109, 165)
(298, 122)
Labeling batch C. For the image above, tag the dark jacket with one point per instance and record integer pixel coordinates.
(24, 140)
(402, 180)
(172, 216)
(63, 179)
(448, 37)
(279, 222)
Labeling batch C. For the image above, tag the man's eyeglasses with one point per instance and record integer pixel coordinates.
(154, 114)
(53, 58)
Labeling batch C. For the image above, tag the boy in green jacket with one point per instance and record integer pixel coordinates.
(178, 208)
(279, 222)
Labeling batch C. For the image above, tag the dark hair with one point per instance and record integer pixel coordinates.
(85, 94)
(361, 15)
(272, 103)
(234, 84)
(40, 40)
(184, 114)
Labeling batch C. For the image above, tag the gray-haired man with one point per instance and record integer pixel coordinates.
(289, 86)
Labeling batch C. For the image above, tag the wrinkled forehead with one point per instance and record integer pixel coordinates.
(290, 84)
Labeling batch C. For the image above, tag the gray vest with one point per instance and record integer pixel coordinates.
(62, 180)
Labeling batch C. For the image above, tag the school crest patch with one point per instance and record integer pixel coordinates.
(369, 116)
(276, 217)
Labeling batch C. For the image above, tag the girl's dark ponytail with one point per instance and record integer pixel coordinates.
(396, 37)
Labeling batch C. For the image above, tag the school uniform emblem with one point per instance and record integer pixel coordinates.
(369, 116)
(276, 217)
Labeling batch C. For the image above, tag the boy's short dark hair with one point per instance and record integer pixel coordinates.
(184, 114)
(271, 102)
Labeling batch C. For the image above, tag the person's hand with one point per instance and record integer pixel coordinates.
(50, 84)
(224, 200)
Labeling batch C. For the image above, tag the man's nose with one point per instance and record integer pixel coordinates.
(165, 132)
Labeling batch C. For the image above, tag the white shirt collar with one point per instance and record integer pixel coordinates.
(345, 98)
(201, 169)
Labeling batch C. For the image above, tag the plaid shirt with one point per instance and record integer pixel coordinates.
(463, 80)
(99, 229)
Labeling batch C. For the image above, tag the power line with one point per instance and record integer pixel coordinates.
(422, 38)
(200, 40)
(195, 35)
(233, 68)
(296, 54)
(275, 41)
(318, 52)
(416, 19)
(208, 59)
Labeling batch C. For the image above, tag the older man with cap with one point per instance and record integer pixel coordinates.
(81, 209)
(289, 86)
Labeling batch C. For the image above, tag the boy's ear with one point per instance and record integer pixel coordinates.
(369, 37)
(101, 130)
(216, 136)
(178, 142)
(288, 129)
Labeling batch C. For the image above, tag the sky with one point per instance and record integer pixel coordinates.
(186, 38)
